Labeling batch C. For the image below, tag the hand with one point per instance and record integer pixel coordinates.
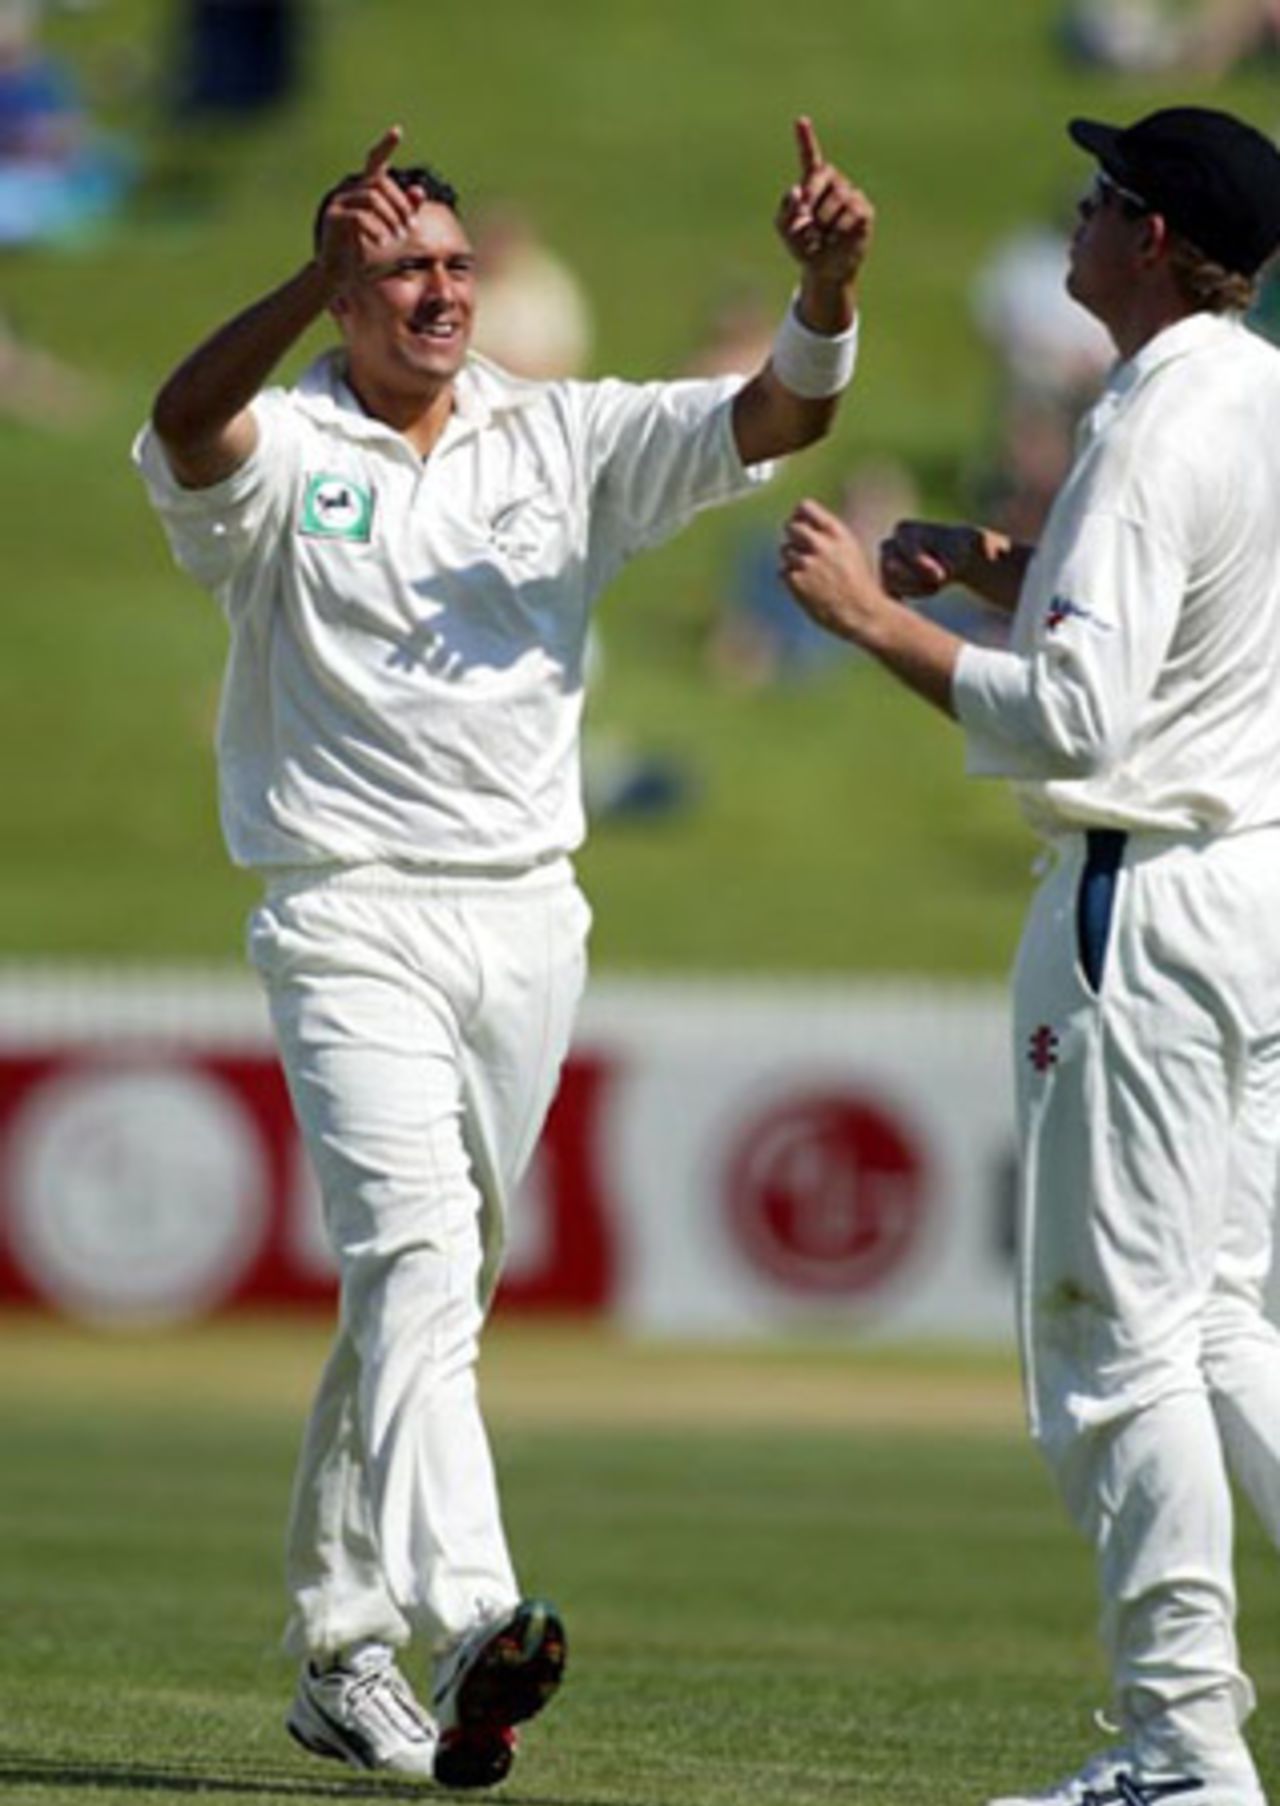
(828, 573)
(921, 557)
(366, 217)
(823, 220)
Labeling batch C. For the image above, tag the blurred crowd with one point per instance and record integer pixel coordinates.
(65, 177)
(59, 176)
(1200, 38)
(1048, 357)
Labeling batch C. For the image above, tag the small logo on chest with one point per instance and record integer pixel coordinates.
(1062, 609)
(336, 508)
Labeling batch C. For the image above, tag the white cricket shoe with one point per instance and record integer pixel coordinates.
(1113, 1779)
(361, 1710)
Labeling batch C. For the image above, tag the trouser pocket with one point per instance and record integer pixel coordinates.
(1095, 900)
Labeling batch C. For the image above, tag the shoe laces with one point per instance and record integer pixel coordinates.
(384, 1689)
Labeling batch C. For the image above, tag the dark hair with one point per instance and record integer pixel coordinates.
(419, 175)
(1207, 286)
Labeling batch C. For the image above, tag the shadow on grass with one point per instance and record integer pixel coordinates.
(20, 1772)
(29, 1772)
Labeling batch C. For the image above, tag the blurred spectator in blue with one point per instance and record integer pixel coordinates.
(59, 175)
(232, 65)
(1200, 37)
(760, 637)
(620, 781)
(236, 58)
(60, 179)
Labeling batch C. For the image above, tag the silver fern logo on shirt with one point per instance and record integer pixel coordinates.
(334, 507)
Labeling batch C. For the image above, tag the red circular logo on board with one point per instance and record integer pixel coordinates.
(826, 1194)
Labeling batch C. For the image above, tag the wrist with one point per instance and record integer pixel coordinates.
(826, 304)
(883, 629)
(812, 363)
(320, 282)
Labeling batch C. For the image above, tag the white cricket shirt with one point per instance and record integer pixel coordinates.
(405, 675)
(1141, 689)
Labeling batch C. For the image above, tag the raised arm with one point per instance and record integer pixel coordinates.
(826, 224)
(202, 414)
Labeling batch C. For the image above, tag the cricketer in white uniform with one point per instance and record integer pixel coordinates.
(407, 547)
(1137, 711)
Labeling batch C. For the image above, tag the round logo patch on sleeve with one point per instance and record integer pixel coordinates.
(336, 508)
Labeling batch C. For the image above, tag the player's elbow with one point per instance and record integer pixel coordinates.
(177, 424)
(200, 450)
(809, 421)
(769, 421)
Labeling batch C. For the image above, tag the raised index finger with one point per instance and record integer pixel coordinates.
(807, 144)
(383, 151)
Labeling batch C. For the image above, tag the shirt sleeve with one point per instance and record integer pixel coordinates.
(659, 452)
(213, 531)
(1090, 646)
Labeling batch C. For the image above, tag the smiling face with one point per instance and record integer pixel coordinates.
(408, 325)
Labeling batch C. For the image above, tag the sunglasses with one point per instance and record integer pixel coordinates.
(1108, 192)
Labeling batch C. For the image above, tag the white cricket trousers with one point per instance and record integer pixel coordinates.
(1147, 1041)
(422, 1021)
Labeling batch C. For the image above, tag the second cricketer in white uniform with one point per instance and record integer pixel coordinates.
(407, 547)
(1138, 712)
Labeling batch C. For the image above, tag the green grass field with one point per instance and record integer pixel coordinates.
(834, 830)
(796, 1575)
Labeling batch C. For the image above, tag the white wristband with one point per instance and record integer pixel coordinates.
(813, 364)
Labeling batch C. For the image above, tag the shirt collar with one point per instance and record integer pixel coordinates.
(1194, 333)
(482, 391)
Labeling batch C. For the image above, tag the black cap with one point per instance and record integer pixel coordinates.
(1215, 179)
